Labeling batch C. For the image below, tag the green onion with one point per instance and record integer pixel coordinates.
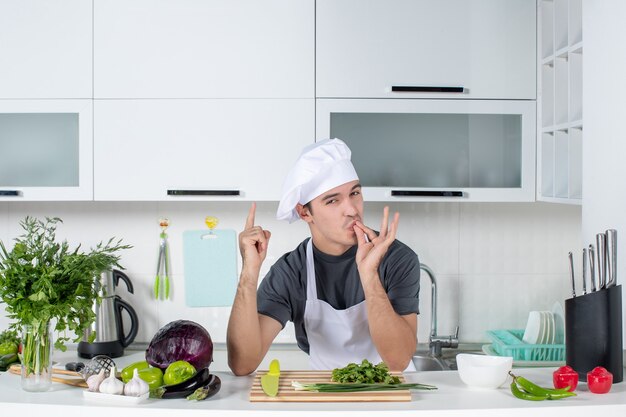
(356, 387)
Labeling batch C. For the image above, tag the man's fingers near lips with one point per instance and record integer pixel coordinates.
(360, 234)
(371, 235)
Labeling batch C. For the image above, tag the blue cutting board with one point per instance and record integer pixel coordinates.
(210, 268)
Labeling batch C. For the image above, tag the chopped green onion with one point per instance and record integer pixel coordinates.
(356, 387)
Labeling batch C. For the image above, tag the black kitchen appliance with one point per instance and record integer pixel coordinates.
(110, 337)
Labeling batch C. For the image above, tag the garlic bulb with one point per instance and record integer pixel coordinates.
(112, 385)
(94, 381)
(136, 387)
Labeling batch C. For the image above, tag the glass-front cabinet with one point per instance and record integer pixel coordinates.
(436, 150)
(46, 150)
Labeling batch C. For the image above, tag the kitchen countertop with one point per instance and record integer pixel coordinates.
(452, 398)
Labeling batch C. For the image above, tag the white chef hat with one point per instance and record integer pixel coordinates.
(321, 166)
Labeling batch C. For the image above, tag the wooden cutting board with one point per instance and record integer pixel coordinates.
(287, 393)
(78, 381)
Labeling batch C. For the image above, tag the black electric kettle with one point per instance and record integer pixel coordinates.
(110, 337)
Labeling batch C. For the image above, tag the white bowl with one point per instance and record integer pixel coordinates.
(481, 371)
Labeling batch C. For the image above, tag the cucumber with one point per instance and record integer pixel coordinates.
(7, 360)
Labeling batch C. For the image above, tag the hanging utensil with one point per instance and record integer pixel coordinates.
(571, 272)
(584, 271)
(162, 280)
(601, 247)
(611, 252)
(592, 268)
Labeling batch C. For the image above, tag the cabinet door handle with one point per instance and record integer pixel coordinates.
(425, 89)
(10, 193)
(180, 193)
(408, 193)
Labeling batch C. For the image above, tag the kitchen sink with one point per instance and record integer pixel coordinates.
(430, 363)
(424, 361)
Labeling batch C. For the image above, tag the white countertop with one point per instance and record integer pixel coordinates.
(452, 398)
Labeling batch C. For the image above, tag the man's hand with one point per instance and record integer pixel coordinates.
(253, 241)
(371, 247)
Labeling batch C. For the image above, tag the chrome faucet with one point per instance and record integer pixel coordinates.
(436, 342)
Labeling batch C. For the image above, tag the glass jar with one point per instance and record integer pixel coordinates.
(36, 357)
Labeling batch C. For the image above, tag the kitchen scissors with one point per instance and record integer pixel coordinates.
(163, 264)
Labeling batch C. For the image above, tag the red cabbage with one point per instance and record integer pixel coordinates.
(180, 340)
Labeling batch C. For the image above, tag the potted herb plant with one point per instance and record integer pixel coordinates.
(44, 284)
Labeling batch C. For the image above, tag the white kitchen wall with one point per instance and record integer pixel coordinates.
(494, 261)
(604, 148)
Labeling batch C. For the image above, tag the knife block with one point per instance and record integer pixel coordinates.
(593, 332)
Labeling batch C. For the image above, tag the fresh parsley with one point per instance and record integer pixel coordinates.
(365, 373)
(43, 281)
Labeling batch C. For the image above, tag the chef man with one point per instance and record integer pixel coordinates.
(351, 292)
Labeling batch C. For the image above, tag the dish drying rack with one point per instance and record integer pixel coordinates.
(510, 343)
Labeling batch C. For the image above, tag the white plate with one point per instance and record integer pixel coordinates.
(559, 323)
(532, 334)
(552, 335)
(114, 399)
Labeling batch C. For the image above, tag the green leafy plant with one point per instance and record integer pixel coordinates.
(43, 281)
(365, 373)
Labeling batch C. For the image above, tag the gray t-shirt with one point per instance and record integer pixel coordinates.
(282, 293)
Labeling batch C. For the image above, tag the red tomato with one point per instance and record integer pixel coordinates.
(565, 376)
(599, 380)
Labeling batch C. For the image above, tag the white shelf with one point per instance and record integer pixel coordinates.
(575, 124)
(560, 200)
(559, 102)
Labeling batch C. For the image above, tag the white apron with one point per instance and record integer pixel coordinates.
(336, 337)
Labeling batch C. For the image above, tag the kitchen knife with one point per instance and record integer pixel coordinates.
(611, 255)
(584, 271)
(571, 272)
(601, 247)
(592, 268)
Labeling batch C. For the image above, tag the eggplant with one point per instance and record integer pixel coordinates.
(185, 388)
(207, 391)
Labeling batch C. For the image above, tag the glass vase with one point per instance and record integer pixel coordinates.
(36, 357)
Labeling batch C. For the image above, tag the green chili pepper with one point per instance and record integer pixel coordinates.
(524, 395)
(526, 390)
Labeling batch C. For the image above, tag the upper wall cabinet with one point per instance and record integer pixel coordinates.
(204, 49)
(481, 49)
(182, 150)
(46, 150)
(45, 49)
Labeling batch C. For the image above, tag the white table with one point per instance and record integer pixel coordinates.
(452, 398)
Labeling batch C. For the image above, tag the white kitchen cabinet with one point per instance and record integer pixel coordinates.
(45, 49)
(187, 150)
(46, 150)
(204, 49)
(559, 102)
(485, 48)
(436, 150)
